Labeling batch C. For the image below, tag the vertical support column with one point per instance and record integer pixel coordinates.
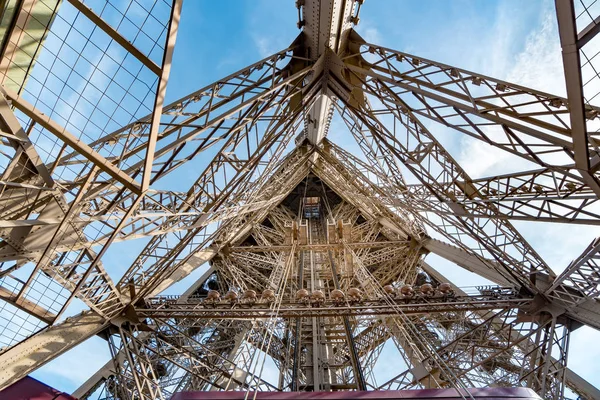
(236, 355)
(286, 364)
(545, 373)
(545, 356)
(553, 383)
(117, 385)
(313, 347)
(315, 355)
(136, 373)
(298, 324)
(358, 373)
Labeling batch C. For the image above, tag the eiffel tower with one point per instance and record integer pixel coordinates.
(315, 253)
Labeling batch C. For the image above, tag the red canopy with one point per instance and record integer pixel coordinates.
(32, 389)
(424, 394)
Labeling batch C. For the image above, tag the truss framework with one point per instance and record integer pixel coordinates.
(318, 254)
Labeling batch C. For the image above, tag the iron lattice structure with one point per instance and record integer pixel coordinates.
(317, 255)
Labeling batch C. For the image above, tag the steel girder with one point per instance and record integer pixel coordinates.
(589, 313)
(46, 345)
(268, 261)
(251, 118)
(171, 218)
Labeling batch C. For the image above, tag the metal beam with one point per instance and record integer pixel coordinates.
(529, 125)
(28, 306)
(485, 268)
(161, 91)
(326, 25)
(30, 354)
(167, 308)
(116, 36)
(376, 236)
(567, 28)
(71, 140)
(572, 379)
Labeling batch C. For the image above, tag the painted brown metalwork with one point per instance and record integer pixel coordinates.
(317, 256)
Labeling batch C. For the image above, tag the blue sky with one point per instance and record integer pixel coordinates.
(513, 40)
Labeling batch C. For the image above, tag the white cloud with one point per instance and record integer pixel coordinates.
(372, 35)
(539, 66)
(68, 371)
(527, 52)
(264, 45)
